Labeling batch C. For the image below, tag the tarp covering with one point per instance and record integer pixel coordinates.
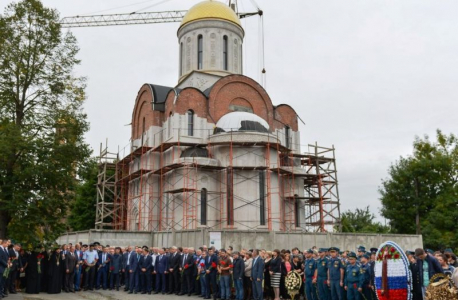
(241, 121)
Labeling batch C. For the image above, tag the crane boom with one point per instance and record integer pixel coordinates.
(132, 18)
(123, 19)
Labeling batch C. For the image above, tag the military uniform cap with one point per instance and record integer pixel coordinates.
(410, 252)
(96, 244)
(310, 251)
(430, 251)
(322, 250)
(334, 249)
(352, 255)
(366, 256)
(361, 249)
(374, 250)
(85, 245)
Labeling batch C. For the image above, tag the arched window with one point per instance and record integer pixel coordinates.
(169, 125)
(181, 59)
(203, 207)
(297, 210)
(262, 198)
(225, 48)
(143, 130)
(287, 137)
(190, 114)
(200, 47)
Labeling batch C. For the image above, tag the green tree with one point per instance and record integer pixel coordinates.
(41, 122)
(362, 220)
(421, 196)
(82, 213)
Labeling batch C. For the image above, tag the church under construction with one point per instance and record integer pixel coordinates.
(213, 152)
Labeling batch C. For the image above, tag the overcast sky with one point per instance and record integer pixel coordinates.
(365, 76)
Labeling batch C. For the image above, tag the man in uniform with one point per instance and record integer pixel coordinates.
(353, 279)
(321, 275)
(361, 252)
(367, 274)
(309, 273)
(372, 282)
(336, 269)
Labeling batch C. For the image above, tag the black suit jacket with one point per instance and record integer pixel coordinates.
(189, 261)
(16, 262)
(174, 262)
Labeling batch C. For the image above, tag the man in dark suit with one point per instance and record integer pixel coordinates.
(4, 256)
(125, 267)
(70, 269)
(16, 266)
(146, 269)
(103, 268)
(161, 267)
(187, 267)
(174, 271)
(211, 263)
(257, 275)
(136, 260)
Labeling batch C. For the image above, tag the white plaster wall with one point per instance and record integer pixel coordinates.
(212, 32)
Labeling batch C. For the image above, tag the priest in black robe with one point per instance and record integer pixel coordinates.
(33, 272)
(55, 269)
(44, 271)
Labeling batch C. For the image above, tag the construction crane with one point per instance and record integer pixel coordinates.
(133, 18)
(154, 18)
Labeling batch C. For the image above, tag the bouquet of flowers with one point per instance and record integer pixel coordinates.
(7, 271)
(213, 266)
(39, 258)
(202, 267)
(293, 283)
(184, 268)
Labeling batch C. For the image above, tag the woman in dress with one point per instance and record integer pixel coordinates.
(275, 273)
(267, 287)
(246, 278)
(55, 269)
(284, 272)
(296, 266)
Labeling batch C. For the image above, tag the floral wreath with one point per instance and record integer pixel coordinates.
(390, 251)
(293, 281)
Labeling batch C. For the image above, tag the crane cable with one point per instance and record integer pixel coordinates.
(128, 5)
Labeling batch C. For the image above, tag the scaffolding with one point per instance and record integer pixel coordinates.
(322, 204)
(155, 188)
(105, 208)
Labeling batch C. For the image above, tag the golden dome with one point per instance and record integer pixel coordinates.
(211, 10)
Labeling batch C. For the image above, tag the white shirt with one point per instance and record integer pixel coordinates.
(128, 257)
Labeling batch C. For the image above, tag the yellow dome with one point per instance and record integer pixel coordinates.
(211, 10)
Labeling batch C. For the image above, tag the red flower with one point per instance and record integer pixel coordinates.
(392, 250)
(111, 268)
(354, 285)
(231, 266)
(396, 256)
(202, 265)
(388, 256)
(186, 266)
(40, 256)
(223, 263)
(213, 265)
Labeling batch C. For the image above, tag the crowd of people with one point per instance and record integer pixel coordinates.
(248, 274)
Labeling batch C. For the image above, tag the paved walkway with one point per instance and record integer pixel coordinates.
(96, 295)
